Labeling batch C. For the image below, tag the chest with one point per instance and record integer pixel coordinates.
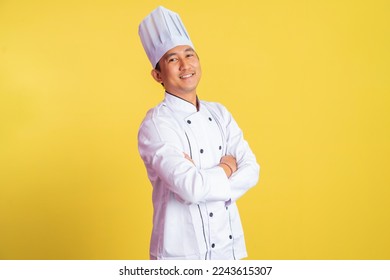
(204, 139)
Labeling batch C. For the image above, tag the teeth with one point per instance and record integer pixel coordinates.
(186, 76)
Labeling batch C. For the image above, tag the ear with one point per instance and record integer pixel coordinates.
(156, 75)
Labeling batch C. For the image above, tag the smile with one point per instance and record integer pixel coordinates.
(187, 76)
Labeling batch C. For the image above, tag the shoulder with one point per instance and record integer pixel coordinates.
(157, 120)
(216, 108)
(157, 114)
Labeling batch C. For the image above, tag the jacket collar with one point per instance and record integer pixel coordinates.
(178, 104)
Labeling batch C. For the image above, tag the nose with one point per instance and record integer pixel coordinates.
(184, 64)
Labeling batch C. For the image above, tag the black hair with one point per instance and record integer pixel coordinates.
(158, 67)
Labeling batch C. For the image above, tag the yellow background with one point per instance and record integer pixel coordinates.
(307, 81)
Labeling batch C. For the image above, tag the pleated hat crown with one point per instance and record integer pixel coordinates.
(161, 31)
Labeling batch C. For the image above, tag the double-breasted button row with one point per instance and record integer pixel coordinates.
(189, 122)
(213, 244)
(202, 150)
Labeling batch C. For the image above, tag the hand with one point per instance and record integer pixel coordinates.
(231, 161)
(229, 164)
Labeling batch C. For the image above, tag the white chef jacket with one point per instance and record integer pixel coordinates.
(195, 214)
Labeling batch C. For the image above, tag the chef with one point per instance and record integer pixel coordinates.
(194, 152)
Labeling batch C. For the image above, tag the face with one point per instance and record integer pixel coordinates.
(179, 71)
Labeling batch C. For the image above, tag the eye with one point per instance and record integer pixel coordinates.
(172, 59)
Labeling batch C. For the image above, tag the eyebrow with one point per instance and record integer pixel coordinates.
(186, 50)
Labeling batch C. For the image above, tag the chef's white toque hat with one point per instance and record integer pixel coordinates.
(161, 31)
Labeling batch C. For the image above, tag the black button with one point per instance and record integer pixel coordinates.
(220, 147)
(226, 208)
(212, 245)
(201, 151)
(211, 214)
(189, 122)
(230, 237)
(210, 119)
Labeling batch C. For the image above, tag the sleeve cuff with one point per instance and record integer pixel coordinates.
(219, 184)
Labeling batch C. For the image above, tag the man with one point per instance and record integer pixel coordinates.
(196, 157)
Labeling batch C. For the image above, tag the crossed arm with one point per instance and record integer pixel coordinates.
(228, 164)
(168, 167)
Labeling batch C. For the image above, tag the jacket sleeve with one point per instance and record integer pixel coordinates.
(162, 152)
(247, 174)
